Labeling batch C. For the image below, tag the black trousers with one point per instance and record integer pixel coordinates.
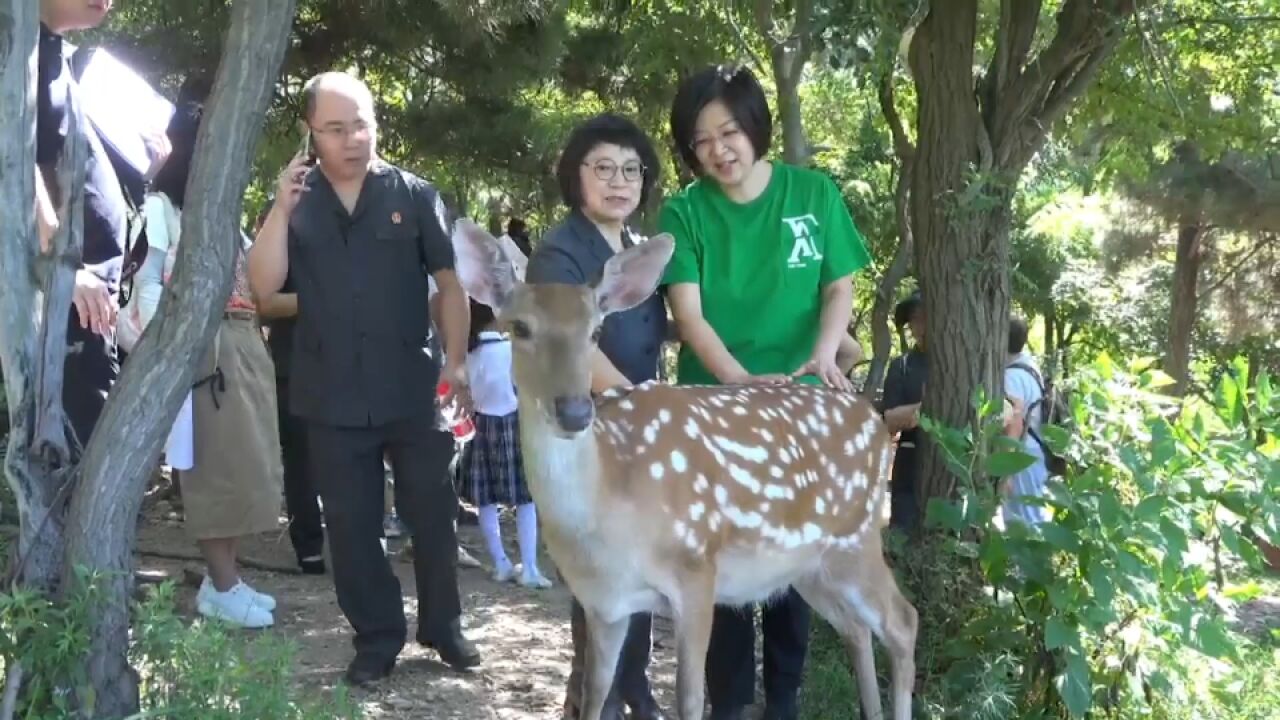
(731, 656)
(904, 507)
(631, 677)
(90, 370)
(306, 530)
(346, 465)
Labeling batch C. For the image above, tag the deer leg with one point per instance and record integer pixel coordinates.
(899, 636)
(604, 644)
(829, 602)
(695, 611)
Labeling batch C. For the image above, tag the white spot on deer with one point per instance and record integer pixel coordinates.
(819, 506)
(723, 423)
(626, 405)
(812, 533)
(848, 447)
(691, 542)
(860, 479)
(691, 429)
(837, 416)
(739, 410)
(722, 495)
(696, 511)
(717, 401)
(784, 456)
(765, 434)
(681, 529)
(656, 471)
(779, 492)
(750, 453)
(678, 461)
(804, 428)
(848, 492)
(764, 508)
(713, 521)
(776, 472)
(701, 485)
(743, 519)
(664, 416)
(744, 478)
(651, 432)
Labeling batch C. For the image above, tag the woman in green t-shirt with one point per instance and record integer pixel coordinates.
(761, 287)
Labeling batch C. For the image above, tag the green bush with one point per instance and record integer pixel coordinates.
(201, 671)
(1116, 607)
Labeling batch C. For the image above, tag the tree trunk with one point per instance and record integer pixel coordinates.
(35, 299)
(787, 59)
(1183, 301)
(1050, 346)
(961, 241)
(795, 149)
(887, 289)
(142, 406)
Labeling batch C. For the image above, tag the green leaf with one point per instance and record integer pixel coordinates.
(1163, 447)
(1004, 464)
(1150, 508)
(1075, 686)
(1104, 590)
(1212, 638)
(1264, 392)
(1110, 512)
(994, 556)
(1060, 537)
(1057, 438)
(1058, 634)
(945, 514)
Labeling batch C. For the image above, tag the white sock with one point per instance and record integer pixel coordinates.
(493, 536)
(527, 535)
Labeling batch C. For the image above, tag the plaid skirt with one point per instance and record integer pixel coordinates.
(492, 468)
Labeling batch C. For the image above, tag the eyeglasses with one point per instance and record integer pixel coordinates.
(359, 127)
(606, 170)
(705, 143)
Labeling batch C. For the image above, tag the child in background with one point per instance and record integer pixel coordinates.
(492, 467)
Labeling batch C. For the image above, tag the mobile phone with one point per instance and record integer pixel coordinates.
(307, 150)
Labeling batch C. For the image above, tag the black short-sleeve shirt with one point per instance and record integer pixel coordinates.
(904, 385)
(574, 253)
(105, 209)
(360, 350)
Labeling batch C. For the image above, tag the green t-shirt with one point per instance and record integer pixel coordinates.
(762, 265)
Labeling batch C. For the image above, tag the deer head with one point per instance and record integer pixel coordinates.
(554, 328)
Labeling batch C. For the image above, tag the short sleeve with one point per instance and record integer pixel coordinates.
(553, 264)
(157, 219)
(845, 250)
(686, 261)
(437, 250)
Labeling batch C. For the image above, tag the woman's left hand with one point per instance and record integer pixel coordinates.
(827, 371)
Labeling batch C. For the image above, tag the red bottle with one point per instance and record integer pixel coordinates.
(463, 428)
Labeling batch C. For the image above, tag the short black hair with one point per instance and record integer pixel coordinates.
(183, 129)
(610, 129)
(516, 226)
(738, 89)
(903, 311)
(1017, 335)
(482, 317)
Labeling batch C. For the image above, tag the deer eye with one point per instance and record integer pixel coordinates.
(520, 330)
(595, 335)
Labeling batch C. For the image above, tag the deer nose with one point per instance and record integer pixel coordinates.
(574, 413)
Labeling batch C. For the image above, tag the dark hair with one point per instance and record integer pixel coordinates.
(516, 227)
(738, 89)
(481, 318)
(600, 130)
(1017, 335)
(903, 311)
(184, 126)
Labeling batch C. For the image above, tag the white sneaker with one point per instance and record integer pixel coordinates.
(262, 600)
(534, 580)
(505, 574)
(236, 606)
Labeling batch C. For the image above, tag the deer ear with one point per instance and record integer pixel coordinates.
(483, 268)
(631, 276)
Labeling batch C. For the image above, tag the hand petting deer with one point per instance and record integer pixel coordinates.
(680, 498)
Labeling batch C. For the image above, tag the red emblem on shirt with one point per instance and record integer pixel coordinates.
(395, 218)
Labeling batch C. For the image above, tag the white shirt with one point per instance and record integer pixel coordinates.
(489, 369)
(1020, 384)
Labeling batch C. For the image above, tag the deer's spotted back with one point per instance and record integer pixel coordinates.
(792, 465)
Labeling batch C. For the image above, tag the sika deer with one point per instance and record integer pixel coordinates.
(690, 496)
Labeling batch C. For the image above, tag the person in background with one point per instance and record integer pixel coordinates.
(492, 465)
(233, 489)
(1024, 389)
(302, 503)
(517, 246)
(91, 364)
(761, 288)
(608, 170)
(361, 238)
(903, 390)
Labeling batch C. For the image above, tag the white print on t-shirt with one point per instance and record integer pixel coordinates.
(804, 250)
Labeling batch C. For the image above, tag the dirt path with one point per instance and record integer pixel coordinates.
(524, 635)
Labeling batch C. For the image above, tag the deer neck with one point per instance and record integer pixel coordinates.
(563, 473)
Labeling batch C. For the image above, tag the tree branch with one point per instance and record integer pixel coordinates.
(1238, 264)
(888, 106)
(760, 66)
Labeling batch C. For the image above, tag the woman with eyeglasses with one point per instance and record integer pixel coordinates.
(761, 287)
(607, 171)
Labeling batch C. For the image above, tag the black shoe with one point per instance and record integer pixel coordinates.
(365, 671)
(312, 566)
(455, 650)
(646, 709)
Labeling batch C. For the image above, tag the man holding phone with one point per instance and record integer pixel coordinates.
(360, 239)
